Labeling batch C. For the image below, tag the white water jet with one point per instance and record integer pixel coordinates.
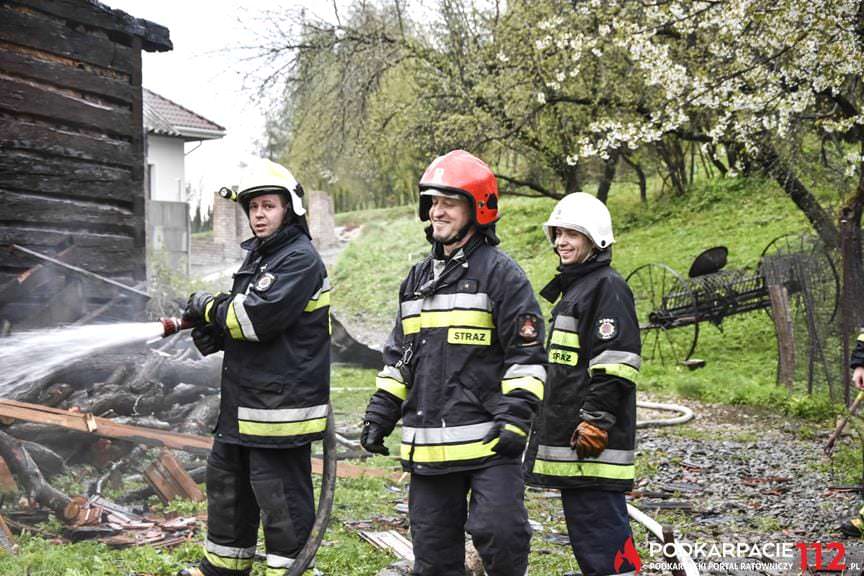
(29, 356)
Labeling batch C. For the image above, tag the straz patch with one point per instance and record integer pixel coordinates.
(264, 282)
(607, 328)
(566, 357)
(528, 327)
(473, 336)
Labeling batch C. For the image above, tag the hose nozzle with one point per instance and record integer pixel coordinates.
(172, 325)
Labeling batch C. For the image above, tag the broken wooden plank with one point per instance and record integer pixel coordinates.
(104, 427)
(170, 480)
(7, 541)
(107, 428)
(390, 541)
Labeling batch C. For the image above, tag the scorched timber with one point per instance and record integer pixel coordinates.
(103, 427)
(109, 429)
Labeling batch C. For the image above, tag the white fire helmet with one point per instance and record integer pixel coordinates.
(263, 176)
(584, 213)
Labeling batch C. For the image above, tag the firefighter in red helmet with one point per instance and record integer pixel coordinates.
(464, 370)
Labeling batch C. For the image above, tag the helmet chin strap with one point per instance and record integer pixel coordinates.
(456, 238)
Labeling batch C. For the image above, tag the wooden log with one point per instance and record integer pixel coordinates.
(202, 418)
(19, 97)
(30, 478)
(170, 481)
(27, 28)
(7, 541)
(63, 73)
(17, 133)
(78, 176)
(49, 462)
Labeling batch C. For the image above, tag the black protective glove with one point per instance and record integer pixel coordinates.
(372, 438)
(208, 339)
(510, 443)
(195, 307)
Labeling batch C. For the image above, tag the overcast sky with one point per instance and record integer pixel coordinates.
(205, 72)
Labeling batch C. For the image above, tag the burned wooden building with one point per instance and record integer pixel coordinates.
(72, 166)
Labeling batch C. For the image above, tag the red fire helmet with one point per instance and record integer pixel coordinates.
(459, 172)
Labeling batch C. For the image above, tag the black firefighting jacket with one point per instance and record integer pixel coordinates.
(594, 360)
(858, 354)
(276, 324)
(465, 355)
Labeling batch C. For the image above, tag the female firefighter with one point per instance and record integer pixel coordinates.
(584, 437)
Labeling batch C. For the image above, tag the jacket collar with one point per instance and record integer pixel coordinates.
(570, 273)
(284, 235)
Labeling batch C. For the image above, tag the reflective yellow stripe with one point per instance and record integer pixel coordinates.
(529, 383)
(282, 428)
(208, 311)
(448, 452)
(515, 429)
(593, 469)
(392, 386)
(472, 336)
(620, 370)
(562, 338)
(445, 318)
(233, 324)
(322, 301)
(861, 337)
(228, 563)
(566, 357)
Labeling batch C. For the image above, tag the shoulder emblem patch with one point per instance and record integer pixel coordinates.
(607, 328)
(528, 327)
(264, 282)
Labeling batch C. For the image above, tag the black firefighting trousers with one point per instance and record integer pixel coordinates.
(599, 531)
(496, 519)
(247, 485)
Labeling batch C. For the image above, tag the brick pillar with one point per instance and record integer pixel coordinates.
(322, 225)
(225, 224)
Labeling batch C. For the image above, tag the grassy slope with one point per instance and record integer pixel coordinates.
(742, 215)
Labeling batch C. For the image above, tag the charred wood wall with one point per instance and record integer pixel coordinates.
(72, 144)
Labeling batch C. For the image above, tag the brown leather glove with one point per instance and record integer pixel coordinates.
(588, 440)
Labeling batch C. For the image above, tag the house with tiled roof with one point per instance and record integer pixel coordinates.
(169, 128)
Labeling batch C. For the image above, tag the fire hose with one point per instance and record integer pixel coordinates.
(328, 476)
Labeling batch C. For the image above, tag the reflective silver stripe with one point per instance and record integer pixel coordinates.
(566, 323)
(243, 318)
(283, 414)
(411, 308)
(229, 551)
(447, 434)
(458, 301)
(519, 370)
(325, 286)
(565, 454)
(390, 372)
(617, 357)
(276, 561)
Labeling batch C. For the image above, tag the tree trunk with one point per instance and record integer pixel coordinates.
(782, 173)
(673, 158)
(572, 178)
(640, 173)
(609, 168)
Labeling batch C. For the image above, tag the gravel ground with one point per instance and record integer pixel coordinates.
(742, 475)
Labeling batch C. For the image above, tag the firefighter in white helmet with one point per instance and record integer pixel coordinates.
(274, 328)
(584, 438)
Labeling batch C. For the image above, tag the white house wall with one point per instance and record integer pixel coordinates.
(165, 163)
